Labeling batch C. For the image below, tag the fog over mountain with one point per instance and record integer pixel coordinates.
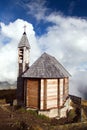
(6, 85)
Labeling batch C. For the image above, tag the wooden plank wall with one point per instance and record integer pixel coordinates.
(42, 96)
(53, 93)
(52, 85)
(32, 93)
(66, 88)
(61, 87)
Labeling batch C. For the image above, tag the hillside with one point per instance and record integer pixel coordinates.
(12, 118)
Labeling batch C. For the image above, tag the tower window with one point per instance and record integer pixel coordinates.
(21, 54)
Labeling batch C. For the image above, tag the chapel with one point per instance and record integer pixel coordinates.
(43, 86)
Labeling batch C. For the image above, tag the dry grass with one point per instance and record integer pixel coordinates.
(84, 103)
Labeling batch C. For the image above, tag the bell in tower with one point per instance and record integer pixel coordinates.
(23, 53)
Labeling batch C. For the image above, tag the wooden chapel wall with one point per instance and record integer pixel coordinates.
(66, 86)
(61, 91)
(32, 93)
(53, 93)
(48, 93)
(52, 85)
(45, 94)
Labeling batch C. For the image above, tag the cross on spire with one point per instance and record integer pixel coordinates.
(24, 29)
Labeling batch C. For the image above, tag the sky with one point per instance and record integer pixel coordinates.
(58, 27)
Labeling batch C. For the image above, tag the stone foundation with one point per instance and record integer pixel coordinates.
(57, 113)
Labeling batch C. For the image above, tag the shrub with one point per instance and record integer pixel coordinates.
(43, 117)
(71, 115)
(33, 112)
(36, 127)
(21, 125)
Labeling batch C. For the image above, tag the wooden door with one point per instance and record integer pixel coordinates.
(33, 93)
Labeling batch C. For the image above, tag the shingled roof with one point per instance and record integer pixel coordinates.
(24, 41)
(46, 67)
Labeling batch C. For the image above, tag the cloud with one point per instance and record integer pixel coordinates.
(10, 37)
(35, 8)
(66, 39)
(79, 84)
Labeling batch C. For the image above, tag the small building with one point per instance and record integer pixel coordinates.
(43, 86)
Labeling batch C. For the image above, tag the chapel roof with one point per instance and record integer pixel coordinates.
(24, 41)
(46, 67)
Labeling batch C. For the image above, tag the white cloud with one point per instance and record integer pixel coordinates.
(66, 40)
(36, 8)
(8, 50)
(79, 84)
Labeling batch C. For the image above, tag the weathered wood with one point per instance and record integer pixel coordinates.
(51, 93)
(32, 93)
(45, 95)
(61, 92)
(66, 88)
(58, 93)
(42, 96)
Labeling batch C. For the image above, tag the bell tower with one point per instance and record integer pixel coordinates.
(23, 65)
(23, 53)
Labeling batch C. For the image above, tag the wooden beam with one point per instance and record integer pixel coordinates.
(58, 92)
(39, 94)
(58, 97)
(45, 95)
(64, 89)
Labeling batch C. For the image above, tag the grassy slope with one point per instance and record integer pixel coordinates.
(11, 119)
(21, 119)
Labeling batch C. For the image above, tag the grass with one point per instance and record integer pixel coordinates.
(30, 120)
(84, 103)
(36, 121)
(73, 126)
(71, 114)
(39, 116)
(33, 112)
